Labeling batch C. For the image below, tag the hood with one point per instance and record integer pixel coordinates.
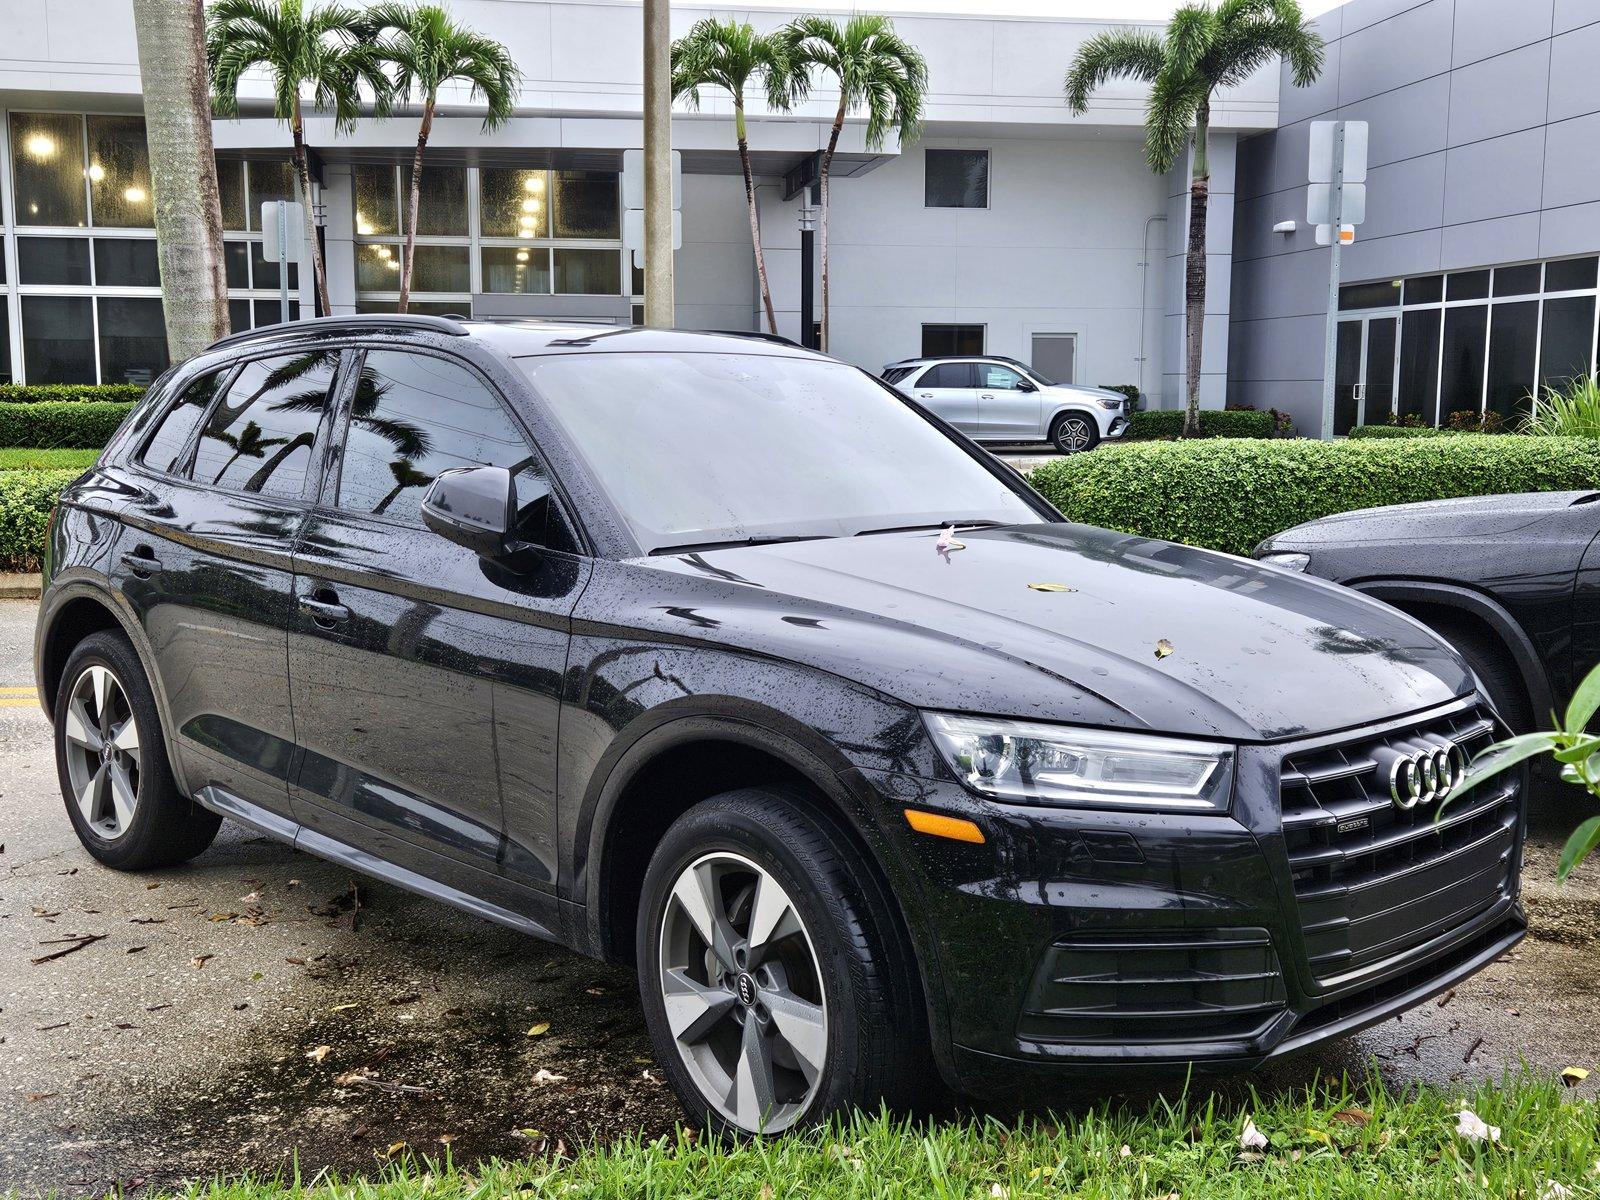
(1257, 653)
(1087, 393)
(1470, 517)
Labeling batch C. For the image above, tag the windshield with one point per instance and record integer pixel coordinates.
(700, 449)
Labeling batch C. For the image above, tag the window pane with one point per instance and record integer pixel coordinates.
(1461, 373)
(996, 377)
(58, 339)
(956, 179)
(238, 315)
(269, 180)
(442, 204)
(378, 268)
(522, 269)
(414, 416)
(588, 272)
(6, 375)
(52, 260)
(587, 205)
(428, 308)
(236, 257)
(2, 261)
(259, 439)
(1425, 289)
(1384, 294)
(1513, 336)
(1568, 339)
(440, 269)
(166, 446)
(1469, 285)
(377, 209)
(264, 271)
(1569, 274)
(126, 262)
(1419, 365)
(230, 190)
(47, 166)
(119, 173)
(270, 312)
(951, 339)
(1520, 280)
(513, 203)
(133, 340)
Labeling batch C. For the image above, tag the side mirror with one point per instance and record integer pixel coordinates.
(475, 507)
(1024, 384)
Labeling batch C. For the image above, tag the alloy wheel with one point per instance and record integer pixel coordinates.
(1073, 435)
(743, 993)
(102, 751)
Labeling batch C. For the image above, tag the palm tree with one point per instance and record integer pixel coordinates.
(728, 55)
(1202, 49)
(183, 172)
(875, 69)
(248, 443)
(427, 49)
(327, 53)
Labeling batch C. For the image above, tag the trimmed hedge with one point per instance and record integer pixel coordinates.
(26, 498)
(43, 393)
(1229, 494)
(1214, 422)
(61, 425)
(1362, 432)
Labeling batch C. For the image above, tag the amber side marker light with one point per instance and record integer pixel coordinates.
(954, 828)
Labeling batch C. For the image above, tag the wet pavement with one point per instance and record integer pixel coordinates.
(259, 1007)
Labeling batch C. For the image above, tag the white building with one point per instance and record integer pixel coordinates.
(1011, 224)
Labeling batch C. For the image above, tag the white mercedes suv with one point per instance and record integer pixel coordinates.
(995, 399)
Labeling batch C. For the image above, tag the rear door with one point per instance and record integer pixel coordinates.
(205, 558)
(950, 389)
(422, 673)
(1005, 409)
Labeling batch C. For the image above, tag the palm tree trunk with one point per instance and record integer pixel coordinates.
(183, 173)
(411, 212)
(303, 172)
(822, 217)
(258, 480)
(755, 217)
(1194, 275)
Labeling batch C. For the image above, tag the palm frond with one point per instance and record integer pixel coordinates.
(1175, 98)
(875, 68)
(424, 49)
(1114, 54)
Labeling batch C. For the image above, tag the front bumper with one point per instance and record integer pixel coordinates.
(1076, 939)
(1118, 427)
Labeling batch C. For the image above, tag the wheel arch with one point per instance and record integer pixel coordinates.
(1466, 603)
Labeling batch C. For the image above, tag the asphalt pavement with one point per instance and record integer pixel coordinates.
(259, 1008)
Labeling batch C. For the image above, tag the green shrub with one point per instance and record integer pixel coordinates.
(1400, 431)
(1230, 423)
(26, 498)
(47, 460)
(1130, 390)
(61, 425)
(37, 393)
(1229, 494)
(1572, 411)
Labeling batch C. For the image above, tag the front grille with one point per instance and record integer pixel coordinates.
(1374, 881)
(1182, 986)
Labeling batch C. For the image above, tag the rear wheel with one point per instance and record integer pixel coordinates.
(112, 762)
(774, 984)
(1074, 432)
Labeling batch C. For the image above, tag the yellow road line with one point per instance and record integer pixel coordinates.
(17, 702)
(17, 689)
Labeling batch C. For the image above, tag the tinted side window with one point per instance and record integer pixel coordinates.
(414, 416)
(164, 451)
(260, 436)
(949, 375)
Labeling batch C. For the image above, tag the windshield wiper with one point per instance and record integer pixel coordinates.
(694, 547)
(984, 524)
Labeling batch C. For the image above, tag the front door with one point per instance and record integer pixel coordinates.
(205, 560)
(422, 674)
(950, 390)
(1365, 367)
(1055, 356)
(1008, 405)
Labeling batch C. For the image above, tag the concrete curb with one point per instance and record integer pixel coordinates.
(19, 587)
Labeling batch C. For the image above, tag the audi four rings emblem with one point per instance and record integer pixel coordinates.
(1427, 775)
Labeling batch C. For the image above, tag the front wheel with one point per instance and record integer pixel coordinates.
(774, 985)
(1073, 433)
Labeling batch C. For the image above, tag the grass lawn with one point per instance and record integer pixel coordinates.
(1340, 1142)
(47, 460)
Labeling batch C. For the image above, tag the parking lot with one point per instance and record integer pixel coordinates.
(259, 1006)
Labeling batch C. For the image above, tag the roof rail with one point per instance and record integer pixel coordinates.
(758, 335)
(418, 321)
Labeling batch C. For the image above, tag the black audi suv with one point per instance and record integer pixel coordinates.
(717, 657)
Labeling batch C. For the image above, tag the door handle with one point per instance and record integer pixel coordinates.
(985, 395)
(325, 611)
(924, 395)
(141, 561)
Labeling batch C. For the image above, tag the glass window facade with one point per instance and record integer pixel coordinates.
(956, 179)
(952, 339)
(1486, 340)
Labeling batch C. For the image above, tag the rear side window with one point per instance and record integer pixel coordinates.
(950, 375)
(260, 436)
(164, 452)
(896, 374)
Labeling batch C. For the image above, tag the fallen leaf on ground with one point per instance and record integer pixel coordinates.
(394, 1148)
(344, 1007)
(1352, 1116)
(1573, 1076)
(200, 960)
(539, 1030)
(1473, 1127)
(542, 1076)
(35, 1097)
(320, 1053)
(1252, 1138)
(1554, 1191)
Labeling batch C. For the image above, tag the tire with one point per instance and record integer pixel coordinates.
(858, 975)
(1495, 669)
(132, 817)
(1074, 432)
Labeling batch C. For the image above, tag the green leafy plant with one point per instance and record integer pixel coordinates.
(1470, 420)
(1158, 423)
(26, 498)
(1570, 411)
(1362, 432)
(1130, 390)
(33, 393)
(65, 425)
(1573, 746)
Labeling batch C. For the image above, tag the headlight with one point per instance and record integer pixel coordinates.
(1054, 764)
(1111, 405)
(1289, 560)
